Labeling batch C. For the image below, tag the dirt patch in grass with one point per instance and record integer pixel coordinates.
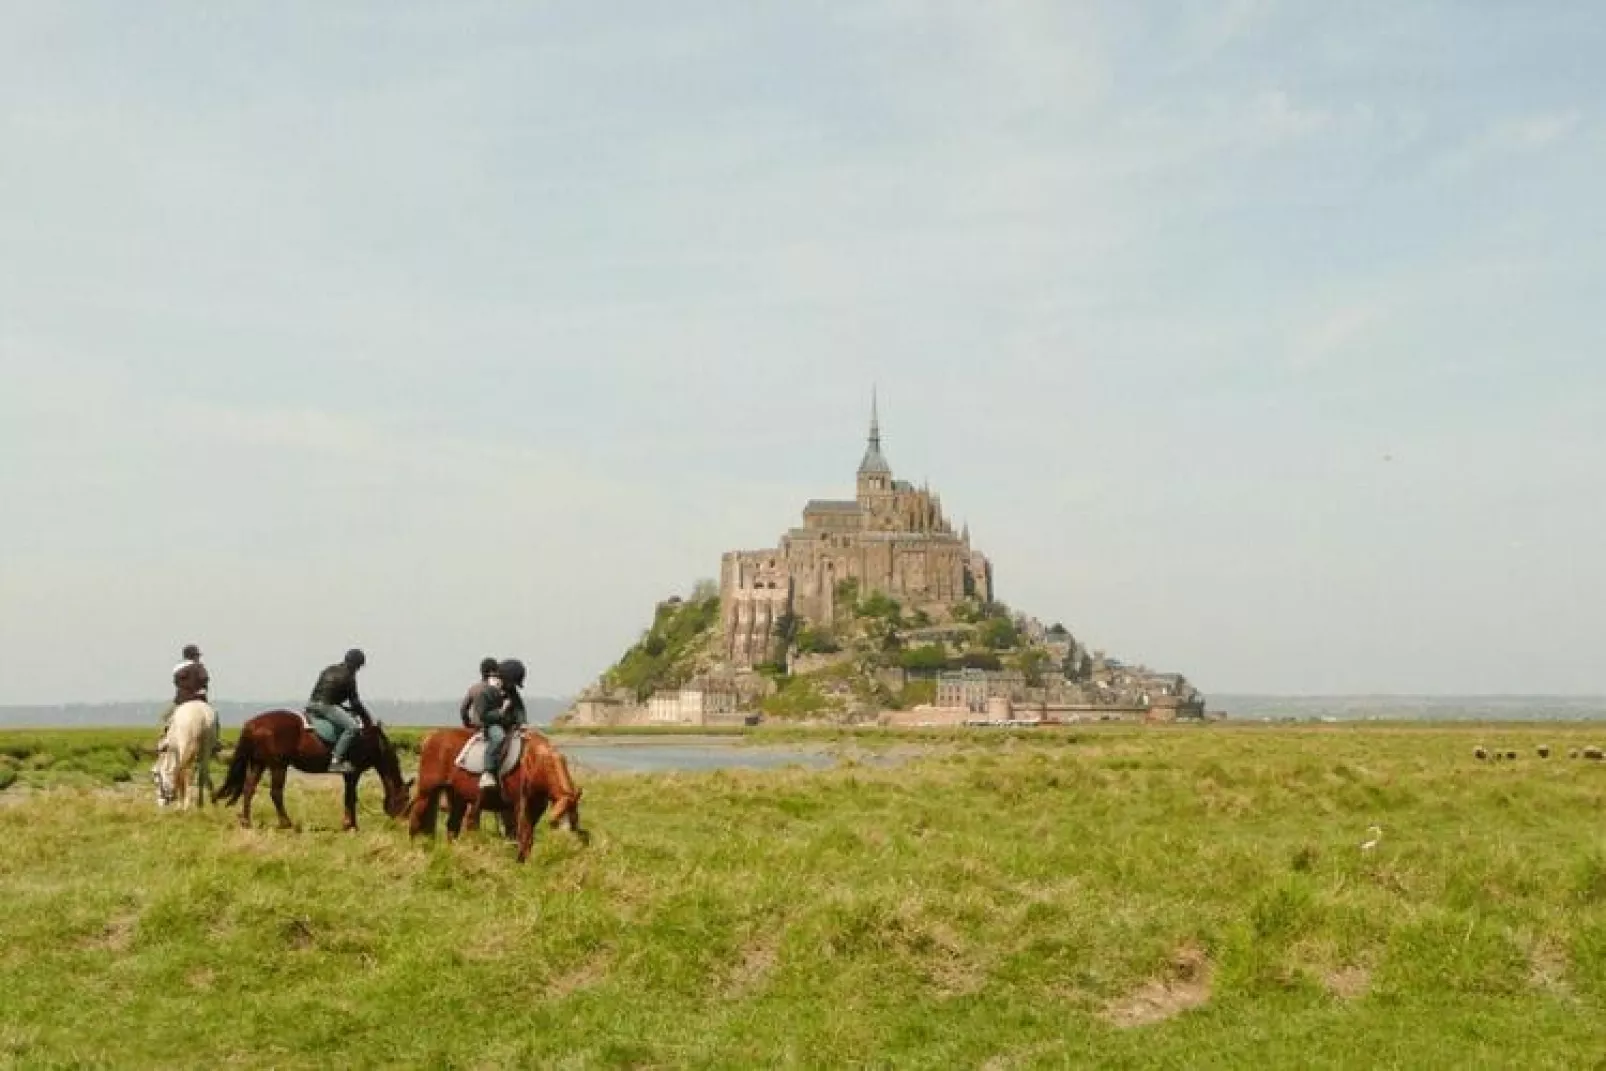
(1547, 969)
(1348, 983)
(1185, 985)
(586, 975)
(751, 969)
(117, 935)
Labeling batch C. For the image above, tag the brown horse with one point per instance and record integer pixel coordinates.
(276, 740)
(541, 779)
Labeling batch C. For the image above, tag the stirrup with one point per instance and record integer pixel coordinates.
(487, 779)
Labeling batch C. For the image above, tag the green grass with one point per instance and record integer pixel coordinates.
(1003, 900)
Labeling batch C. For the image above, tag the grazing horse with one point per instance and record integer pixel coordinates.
(191, 735)
(276, 740)
(541, 779)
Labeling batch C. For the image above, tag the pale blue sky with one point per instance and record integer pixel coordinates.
(1256, 340)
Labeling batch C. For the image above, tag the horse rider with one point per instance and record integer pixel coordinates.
(501, 710)
(337, 685)
(466, 710)
(190, 682)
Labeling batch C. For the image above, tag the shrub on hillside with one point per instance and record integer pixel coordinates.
(932, 657)
(881, 607)
(797, 699)
(916, 693)
(998, 634)
(1031, 662)
(812, 640)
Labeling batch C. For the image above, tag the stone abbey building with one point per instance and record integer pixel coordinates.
(892, 537)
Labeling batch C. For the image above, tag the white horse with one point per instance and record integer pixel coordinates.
(191, 736)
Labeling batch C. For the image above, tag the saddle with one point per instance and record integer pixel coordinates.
(472, 758)
(323, 730)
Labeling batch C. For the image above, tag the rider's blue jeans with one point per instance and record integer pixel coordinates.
(341, 719)
(495, 741)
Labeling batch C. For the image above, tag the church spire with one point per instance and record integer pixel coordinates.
(874, 463)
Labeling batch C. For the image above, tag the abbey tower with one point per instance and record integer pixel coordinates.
(891, 538)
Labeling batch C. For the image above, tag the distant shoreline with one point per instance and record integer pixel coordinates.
(1239, 708)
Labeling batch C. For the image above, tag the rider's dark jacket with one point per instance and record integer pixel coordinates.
(338, 685)
(470, 708)
(190, 681)
(487, 708)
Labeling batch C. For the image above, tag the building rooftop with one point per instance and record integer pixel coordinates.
(830, 505)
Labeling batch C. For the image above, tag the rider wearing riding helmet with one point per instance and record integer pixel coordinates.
(500, 710)
(337, 685)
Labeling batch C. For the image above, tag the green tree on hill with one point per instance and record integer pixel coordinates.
(880, 606)
(931, 657)
(1031, 662)
(811, 640)
(998, 634)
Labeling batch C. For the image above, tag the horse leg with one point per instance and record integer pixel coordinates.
(253, 774)
(421, 817)
(454, 815)
(566, 811)
(530, 807)
(276, 790)
(203, 778)
(349, 820)
(181, 778)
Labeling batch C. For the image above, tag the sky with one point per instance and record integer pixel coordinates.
(1255, 340)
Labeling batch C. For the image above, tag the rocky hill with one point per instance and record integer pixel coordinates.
(877, 657)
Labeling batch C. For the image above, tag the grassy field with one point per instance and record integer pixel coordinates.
(1116, 897)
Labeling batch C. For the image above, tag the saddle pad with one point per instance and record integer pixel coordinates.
(321, 728)
(472, 757)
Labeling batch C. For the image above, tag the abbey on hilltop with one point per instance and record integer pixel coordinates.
(891, 538)
(873, 608)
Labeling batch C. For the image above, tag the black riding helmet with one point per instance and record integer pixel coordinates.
(488, 667)
(512, 672)
(355, 659)
(191, 651)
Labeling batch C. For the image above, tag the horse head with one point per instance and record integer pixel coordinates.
(388, 766)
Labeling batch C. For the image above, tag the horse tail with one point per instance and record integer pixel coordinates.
(234, 783)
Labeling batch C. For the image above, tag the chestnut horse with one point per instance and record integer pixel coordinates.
(541, 779)
(276, 740)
